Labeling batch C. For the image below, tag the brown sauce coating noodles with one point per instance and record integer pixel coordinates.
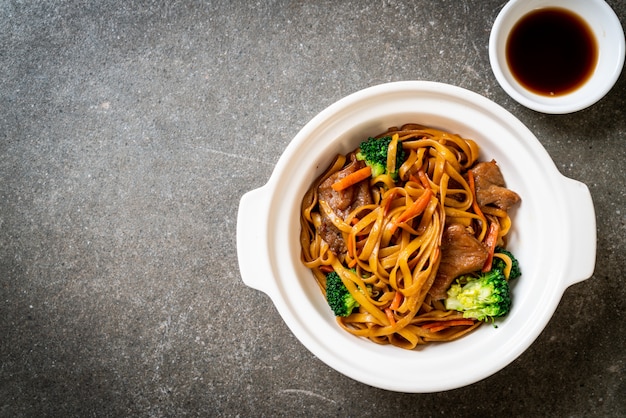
(390, 264)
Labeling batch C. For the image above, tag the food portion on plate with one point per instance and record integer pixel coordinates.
(406, 236)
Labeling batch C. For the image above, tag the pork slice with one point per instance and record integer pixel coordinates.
(332, 235)
(338, 201)
(491, 188)
(342, 203)
(461, 253)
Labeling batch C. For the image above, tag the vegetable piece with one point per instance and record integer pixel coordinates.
(352, 179)
(326, 269)
(374, 152)
(441, 325)
(397, 300)
(416, 208)
(500, 264)
(390, 317)
(490, 242)
(482, 297)
(338, 297)
(472, 185)
(388, 200)
(423, 179)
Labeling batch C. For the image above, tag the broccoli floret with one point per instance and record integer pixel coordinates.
(482, 297)
(338, 297)
(374, 152)
(498, 263)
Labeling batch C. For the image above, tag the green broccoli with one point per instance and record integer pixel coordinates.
(498, 263)
(338, 297)
(481, 297)
(374, 152)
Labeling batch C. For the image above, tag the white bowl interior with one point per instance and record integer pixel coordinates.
(609, 37)
(527, 169)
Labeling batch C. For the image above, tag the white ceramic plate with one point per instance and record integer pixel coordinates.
(554, 236)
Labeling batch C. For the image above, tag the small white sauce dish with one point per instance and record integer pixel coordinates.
(609, 36)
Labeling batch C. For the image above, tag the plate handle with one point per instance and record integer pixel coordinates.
(581, 230)
(253, 239)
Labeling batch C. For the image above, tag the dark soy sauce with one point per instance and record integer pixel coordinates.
(551, 51)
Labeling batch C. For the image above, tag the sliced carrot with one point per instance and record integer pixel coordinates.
(388, 201)
(392, 320)
(326, 269)
(423, 179)
(416, 208)
(352, 263)
(352, 179)
(441, 328)
(397, 300)
(441, 325)
(490, 241)
(472, 186)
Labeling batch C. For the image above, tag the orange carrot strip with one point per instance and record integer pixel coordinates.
(397, 300)
(392, 320)
(416, 207)
(352, 263)
(472, 186)
(351, 246)
(326, 269)
(352, 179)
(423, 179)
(386, 203)
(490, 241)
(441, 328)
(441, 325)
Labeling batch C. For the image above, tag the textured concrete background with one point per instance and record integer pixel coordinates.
(129, 131)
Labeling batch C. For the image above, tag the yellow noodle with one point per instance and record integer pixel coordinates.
(386, 258)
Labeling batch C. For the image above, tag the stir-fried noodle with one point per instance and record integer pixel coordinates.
(388, 247)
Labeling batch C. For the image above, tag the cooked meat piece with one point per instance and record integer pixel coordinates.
(461, 253)
(490, 186)
(332, 236)
(362, 196)
(342, 203)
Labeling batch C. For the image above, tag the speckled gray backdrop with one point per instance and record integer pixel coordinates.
(129, 131)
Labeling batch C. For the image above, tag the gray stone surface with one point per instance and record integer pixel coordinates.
(129, 131)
